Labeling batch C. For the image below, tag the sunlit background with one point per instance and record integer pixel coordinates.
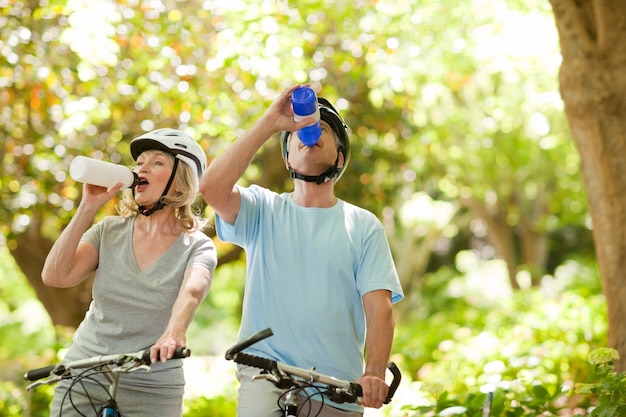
(460, 147)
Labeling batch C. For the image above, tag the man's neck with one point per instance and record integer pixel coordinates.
(309, 194)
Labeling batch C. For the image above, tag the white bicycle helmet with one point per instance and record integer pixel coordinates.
(178, 144)
(175, 142)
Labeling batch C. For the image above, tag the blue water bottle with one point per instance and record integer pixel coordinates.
(304, 103)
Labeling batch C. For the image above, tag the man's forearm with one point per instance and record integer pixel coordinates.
(228, 167)
(380, 330)
(378, 346)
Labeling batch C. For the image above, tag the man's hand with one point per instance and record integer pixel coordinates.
(281, 113)
(375, 390)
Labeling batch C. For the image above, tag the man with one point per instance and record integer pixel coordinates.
(319, 270)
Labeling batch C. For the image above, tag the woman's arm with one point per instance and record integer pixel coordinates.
(70, 261)
(195, 287)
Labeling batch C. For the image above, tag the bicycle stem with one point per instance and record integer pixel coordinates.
(291, 404)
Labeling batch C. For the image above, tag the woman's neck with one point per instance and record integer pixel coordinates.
(158, 223)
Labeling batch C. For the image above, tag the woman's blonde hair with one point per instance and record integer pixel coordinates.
(181, 200)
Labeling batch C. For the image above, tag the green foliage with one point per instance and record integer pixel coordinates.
(537, 402)
(527, 347)
(27, 340)
(39, 401)
(516, 329)
(21, 315)
(16, 402)
(220, 406)
(603, 383)
(11, 405)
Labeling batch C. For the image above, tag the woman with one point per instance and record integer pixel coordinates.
(153, 267)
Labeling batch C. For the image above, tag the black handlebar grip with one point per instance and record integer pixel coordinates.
(35, 374)
(182, 353)
(395, 382)
(256, 361)
(260, 335)
(179, 353)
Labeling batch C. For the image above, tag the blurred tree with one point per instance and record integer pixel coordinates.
(85, 77)
(486, 131)
(434, 104)
(592, 85)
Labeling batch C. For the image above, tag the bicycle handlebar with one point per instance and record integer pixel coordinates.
(60, 369)
(35, 374)
(256, 337)
(283, 375)
(255, 361)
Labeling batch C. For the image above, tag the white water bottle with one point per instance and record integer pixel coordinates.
(101, 173)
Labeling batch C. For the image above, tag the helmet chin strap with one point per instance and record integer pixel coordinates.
(159, 205)
(325, 176)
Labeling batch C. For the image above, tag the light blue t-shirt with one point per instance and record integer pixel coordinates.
(307, 271)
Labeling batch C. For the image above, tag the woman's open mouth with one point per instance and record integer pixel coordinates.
(141, 184)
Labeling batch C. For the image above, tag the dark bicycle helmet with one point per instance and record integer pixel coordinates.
(178, 144)
(332, 117)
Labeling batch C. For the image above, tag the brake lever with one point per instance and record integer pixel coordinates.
(132, 366)
(268, 377)
(341, 395)
(46, 381)
(145, 368)
(279, 380)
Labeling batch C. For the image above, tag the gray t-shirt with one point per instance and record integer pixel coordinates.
(131, 308)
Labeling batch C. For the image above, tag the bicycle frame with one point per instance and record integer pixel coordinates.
(110, 407)
(111, 366)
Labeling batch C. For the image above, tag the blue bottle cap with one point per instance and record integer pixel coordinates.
(304, 101)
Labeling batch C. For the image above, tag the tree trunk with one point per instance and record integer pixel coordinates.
(500, 235)
(65, 306)
(593, 85)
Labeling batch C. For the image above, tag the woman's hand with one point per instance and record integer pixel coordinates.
(95, 196)
(165, 347)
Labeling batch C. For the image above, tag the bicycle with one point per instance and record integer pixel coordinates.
(110, 366)
(295, 380)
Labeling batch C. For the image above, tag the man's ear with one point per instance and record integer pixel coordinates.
(287, 149)
(340, 158)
